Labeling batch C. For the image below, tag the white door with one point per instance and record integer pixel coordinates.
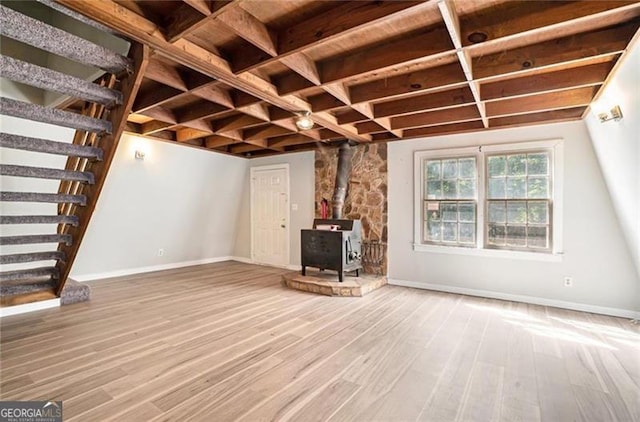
(270, 215)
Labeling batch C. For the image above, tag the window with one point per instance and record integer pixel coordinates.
(518, 201)
(450, 205)
(498, 197)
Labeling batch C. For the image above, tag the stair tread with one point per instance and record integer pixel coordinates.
(27, 143)
(38, 34)
(39, 219)
(28, 274)
(38, 113)
(42, 197)
(46, 173)
(36, 238)
(46, 293)
(26, 287)
(19, 258)
(51, 80)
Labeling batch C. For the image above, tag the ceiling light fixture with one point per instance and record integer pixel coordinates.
(614, 114)
(303, 121)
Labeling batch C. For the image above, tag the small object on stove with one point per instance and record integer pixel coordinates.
(324, 208)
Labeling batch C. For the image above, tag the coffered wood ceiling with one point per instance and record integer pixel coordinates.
(228, 75)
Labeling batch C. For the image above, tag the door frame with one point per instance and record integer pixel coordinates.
(253, 171)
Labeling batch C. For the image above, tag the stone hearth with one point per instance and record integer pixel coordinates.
(326, 283)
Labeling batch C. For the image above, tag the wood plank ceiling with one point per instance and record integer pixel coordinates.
(230, 75)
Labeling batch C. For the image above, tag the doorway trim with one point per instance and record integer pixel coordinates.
(253, 170)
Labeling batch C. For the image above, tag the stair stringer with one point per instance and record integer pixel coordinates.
(118, 116)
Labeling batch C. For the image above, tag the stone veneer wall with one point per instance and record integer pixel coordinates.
(366, 194)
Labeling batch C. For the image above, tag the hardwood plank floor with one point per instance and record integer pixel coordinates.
(227, 342)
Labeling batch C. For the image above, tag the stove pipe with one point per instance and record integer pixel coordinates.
(342, 179)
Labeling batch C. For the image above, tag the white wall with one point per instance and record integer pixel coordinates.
(595, 253)
(180, 199)
(617, 146)
(302, 189)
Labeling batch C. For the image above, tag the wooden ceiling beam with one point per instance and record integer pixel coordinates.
(324, 102)
(350, 116)
(216, 93)
(248, 27)
(202, 6)
(201, 110)
(452, 22)
(366, 109)
(259, 111)
(443, 129)
(235, 122)
(338, 90)
(189, 134)
(216, 141)
(444, 99)
(160, 113)
(155, 97)
(292, 83)
(288, 140)
(438, 117)
(339, 20)
(574, 113)
(154, 126)
(245, 148)
(430, 45)
(576, 47)
(370, 127)
(265, 132)
(192, 15)
(165, 74)
(182, 51)
(304, 66)
(594, 74)
(425, 80)
(525, 17)
(540, 102)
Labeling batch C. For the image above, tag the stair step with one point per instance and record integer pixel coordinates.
(20, 295)
(47, 173)
(28, 274)
(36, 238)
(18, 289)
(19, 258)
(51, 80)
(46, 37)
(77, 16)
(57, 198)
(39, 219)
(53, 116)
(26, 143)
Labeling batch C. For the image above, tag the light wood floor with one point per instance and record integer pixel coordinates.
(227, 342)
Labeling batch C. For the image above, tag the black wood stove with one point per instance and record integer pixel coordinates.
(333, 244)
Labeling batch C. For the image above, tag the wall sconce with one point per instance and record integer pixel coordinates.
(303, 121)
(139, 154)
(614, 114)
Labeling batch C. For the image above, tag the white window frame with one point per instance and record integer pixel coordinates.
(480, 152)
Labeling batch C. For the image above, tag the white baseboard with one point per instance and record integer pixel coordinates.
(623, 313)
(140, 270)
(292, 267)
(29, 307)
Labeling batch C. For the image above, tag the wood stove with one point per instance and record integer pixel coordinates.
(333, 244)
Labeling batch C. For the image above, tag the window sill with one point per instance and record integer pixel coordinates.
(489, 253)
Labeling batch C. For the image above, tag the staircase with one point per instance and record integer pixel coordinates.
(98, 112)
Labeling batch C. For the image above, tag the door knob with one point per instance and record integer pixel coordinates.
(283, 226)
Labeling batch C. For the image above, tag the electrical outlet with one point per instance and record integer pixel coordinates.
(160, 252)
(568, 282)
